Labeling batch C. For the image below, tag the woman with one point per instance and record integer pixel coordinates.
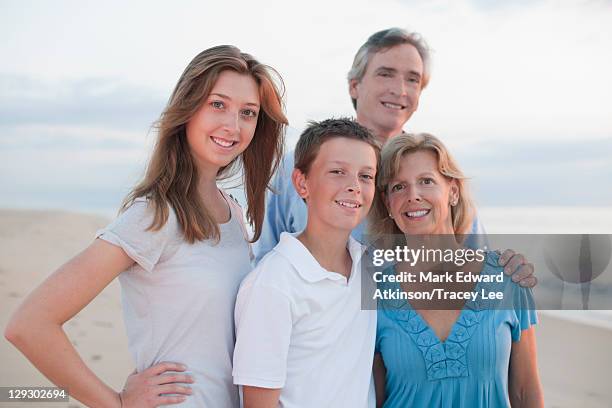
(179, 247)
(474, 353)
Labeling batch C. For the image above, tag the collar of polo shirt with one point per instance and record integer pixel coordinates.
(306, 265)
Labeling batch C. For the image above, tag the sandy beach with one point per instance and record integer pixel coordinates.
(32, 245)
(574, 358)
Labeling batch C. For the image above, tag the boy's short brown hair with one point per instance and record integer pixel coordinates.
(318, 133)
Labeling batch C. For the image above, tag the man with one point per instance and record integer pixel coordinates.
(385, 82)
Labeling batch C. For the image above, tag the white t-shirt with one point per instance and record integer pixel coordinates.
(178, 298)
(300, 327)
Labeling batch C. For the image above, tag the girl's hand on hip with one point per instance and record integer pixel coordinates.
(151, 388)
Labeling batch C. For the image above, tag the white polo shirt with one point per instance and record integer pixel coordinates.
(300, 327)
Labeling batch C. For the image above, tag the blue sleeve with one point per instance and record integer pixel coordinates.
(524, 315)
(278, 215)
(478, 236)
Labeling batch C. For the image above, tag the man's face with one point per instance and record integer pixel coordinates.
(388, 94)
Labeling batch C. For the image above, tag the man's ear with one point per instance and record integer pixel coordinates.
(299, 183)
(353, 88)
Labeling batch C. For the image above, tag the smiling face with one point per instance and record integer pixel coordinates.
(419, 197)
(388, 94)
(339, 186)
(224, 125)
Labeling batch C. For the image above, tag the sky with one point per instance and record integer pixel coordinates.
(520, 91)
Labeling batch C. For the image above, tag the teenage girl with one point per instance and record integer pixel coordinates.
(179, 246)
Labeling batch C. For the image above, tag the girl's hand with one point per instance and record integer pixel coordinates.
(150, 387)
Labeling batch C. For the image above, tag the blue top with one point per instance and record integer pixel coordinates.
(468, 369)
(286, 212)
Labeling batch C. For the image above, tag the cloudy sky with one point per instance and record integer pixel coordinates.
(521, 91)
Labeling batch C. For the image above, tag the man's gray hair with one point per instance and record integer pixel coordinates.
(386, 39)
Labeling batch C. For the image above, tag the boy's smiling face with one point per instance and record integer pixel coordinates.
(339, 187)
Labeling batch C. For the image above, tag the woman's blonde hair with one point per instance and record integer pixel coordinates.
(380, 224)
(171, 178)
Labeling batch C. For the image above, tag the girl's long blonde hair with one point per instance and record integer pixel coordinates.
(171, 176)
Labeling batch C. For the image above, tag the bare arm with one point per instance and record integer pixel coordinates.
(523, 379)
(257, 397)
(36, 327)
(380, 373)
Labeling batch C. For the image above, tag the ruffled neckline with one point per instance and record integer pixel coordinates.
(448, 358)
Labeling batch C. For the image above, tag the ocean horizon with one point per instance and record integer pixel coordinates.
(496, 220)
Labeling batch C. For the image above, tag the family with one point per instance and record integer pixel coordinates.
(207, 329)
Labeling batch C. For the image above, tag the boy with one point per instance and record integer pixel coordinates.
(302, 338)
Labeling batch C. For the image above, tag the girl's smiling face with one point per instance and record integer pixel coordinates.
(224, 125)
(419, 197)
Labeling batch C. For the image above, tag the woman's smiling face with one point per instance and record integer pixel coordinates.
(419, 197)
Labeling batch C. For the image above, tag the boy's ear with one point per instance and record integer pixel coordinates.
(299, 182)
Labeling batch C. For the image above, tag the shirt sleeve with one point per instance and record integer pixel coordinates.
(524, 315)
(129, 231)
(276, 218)
(477, 237)
(263, 332)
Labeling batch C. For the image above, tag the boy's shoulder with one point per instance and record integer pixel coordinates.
(275, 265)
(284, 265)
(274, 271)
